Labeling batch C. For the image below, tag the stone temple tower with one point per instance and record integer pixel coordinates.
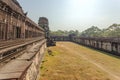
(44, 23)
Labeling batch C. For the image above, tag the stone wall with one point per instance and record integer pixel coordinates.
(14, 23)
(27, 66)
(111, 45)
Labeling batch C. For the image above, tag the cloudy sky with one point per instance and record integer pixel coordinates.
(74, 14)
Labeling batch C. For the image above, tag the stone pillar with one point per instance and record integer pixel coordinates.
(111, 46)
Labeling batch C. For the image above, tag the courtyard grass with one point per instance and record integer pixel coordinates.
(70, 61)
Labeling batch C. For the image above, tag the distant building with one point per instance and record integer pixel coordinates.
(44, 23)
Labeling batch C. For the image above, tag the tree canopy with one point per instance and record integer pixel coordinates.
(112, 31)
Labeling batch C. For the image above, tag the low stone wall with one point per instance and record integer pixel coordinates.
(27, 66)
(33, 71)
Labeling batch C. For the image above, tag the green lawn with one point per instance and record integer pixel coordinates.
(70, 61)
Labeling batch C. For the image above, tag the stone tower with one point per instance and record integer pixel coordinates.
(44, 23)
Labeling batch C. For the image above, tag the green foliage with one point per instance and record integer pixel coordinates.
(64, 33)
(91, 32)
(111, 31)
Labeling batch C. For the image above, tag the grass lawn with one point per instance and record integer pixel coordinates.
(70, 61)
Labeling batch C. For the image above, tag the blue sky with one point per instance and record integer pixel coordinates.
(74, 14)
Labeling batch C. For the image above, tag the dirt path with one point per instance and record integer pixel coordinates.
(75, 62)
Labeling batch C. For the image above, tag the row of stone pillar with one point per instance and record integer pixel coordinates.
(113, 47)
(109, 46)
